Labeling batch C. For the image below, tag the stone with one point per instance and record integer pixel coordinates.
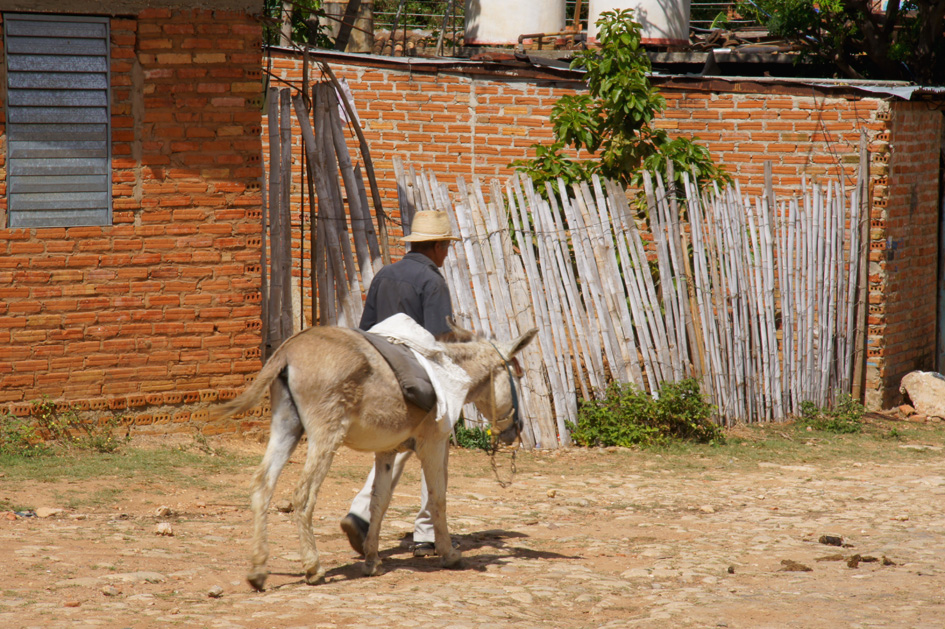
(47, 512)
(552, 493)
(163, 511)
(215, 592)
(164, 528)
(110, 590)
(284, 506)
(926, 391)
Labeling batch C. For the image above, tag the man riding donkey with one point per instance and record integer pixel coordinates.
(414, 287)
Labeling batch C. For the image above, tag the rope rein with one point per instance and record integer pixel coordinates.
(495, 428)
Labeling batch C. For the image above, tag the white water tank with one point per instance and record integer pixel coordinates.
(500, 22)
(664, 22)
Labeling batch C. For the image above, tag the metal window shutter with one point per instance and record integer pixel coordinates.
(58, 148)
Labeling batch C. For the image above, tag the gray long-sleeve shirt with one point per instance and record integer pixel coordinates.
(414, 287)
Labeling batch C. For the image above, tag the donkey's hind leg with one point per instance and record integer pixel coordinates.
(380, 500)
(321, 450)
(285, 432)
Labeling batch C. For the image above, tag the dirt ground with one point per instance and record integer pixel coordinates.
(725, 537)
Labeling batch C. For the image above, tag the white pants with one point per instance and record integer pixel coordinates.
(423, 525)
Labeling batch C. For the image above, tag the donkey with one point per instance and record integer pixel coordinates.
(332, 385)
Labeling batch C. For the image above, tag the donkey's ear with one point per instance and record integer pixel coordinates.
(513, 348)
(459, 334)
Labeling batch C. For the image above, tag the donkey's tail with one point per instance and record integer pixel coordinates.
(257, 390)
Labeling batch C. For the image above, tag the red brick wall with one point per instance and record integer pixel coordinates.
(161, 309)
(454, 124)
(904, 250)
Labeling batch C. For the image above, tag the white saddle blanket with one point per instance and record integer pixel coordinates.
(450, 381)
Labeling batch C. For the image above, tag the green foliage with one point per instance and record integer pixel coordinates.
(627, 416)
(49, 428)
(308, 24)
(614, 121)
(20, 438)
(845, 417)
(905, 41)
(472, 438)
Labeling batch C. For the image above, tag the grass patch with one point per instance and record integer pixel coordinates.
(170, 464)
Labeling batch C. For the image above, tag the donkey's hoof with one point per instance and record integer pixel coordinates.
(372, 568)
(314, 578)
(453, 561)
(257, 579)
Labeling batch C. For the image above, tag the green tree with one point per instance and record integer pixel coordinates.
(904, 42)
(305, 17)
(613, 120)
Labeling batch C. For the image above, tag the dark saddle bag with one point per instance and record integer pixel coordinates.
(413, 379)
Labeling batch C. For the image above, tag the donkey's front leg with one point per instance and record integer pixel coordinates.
(380, 499)
(434, 457)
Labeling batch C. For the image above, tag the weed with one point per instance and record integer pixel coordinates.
(844, 418)
(627, 416)
(48, 428)
(472, 438)
(203, 444)
(18, 437)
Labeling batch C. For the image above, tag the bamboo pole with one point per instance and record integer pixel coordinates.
(357, 212)
(328, 226)
(593, 360)
(368, 163)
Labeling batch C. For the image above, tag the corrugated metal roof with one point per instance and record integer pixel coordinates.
(536, 67)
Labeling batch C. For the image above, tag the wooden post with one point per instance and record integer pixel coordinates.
(285, 236)
(860, 336)
(275, 223)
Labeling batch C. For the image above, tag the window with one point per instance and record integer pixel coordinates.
(57, 110)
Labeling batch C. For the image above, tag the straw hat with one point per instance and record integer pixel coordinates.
(429, 226)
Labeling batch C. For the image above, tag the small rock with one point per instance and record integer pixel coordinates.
(837, 557)
(706, 509)
(215, 592)
(284, 506)
(731, 569)
(110, 590)
(71, 604)
(164, 528)
(888, 562)
(901, 518)
(163, 511)
(47, 512)
(831, 540)
(856, 560)
(792, 566)
(552, 493)
(906, 410)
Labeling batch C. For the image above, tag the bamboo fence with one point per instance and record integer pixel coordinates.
(754, 297)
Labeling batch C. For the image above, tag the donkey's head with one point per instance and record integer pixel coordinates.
(495, 372)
